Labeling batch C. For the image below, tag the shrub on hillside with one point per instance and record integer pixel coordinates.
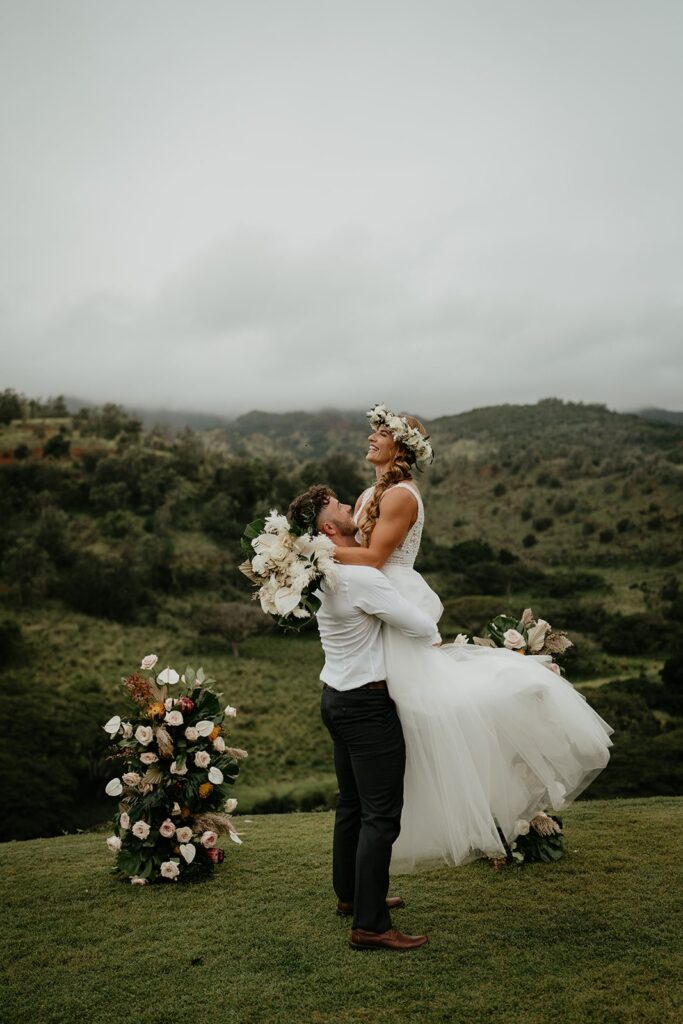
(633, 635)
(231, 622)
(529, 540)
(467, 552)
(11, 641)
(108, 587)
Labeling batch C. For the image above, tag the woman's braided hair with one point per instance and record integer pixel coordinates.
(399, 469)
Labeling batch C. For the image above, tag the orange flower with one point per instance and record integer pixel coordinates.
(156, 710)
(185, 812)
(205, 790)
(215, 732)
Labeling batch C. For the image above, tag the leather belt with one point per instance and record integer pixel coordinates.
(379, 684)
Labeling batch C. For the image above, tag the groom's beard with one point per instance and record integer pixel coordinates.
(346, 527)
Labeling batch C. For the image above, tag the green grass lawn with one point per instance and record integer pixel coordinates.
(589, 939)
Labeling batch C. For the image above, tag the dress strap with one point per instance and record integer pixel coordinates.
(413, 490)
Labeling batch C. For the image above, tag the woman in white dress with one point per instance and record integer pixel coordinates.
(492, 737)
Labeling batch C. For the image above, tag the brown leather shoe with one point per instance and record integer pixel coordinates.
(393, 903)
(360, 939)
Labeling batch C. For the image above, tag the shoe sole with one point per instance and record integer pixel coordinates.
(390, 949)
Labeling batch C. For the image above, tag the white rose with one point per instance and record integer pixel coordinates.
(230, 805)
(148, 757)
(215, 776)
(114, 844)
(144, 734)
(169, 676)
(514, 640)
(131, 778)
(169, 869)
(140, 829)
(113, 725)
(229, 711)
(173, 718)
(124, 820)
(209, 839)
(204, 727)
(202, 759)
(135, 880)
(521, 827)
(149, 661)
(175, 770)
(167, 828)
(184, 834)
(113, 787)
(191, 734)
(127, 730)
(219, 744)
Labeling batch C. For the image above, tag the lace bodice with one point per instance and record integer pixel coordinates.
(406, 552)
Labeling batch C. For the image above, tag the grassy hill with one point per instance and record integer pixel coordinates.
(117, 541)
(593, 939)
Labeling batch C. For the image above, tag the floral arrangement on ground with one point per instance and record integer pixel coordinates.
(174, 791)
(540, 839)
(525, 635)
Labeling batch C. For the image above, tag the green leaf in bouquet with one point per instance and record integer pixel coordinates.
(209, 704)
(254, 528)
(200, 675)
(189, 675)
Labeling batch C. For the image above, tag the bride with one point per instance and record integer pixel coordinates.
(492, 738)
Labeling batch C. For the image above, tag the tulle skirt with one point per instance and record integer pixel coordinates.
(492, 737)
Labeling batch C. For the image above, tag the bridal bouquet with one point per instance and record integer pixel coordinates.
(177, 770)
(525, 636)
(540, 839)
(287, 565)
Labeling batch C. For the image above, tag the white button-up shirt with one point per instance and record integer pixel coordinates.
(350, 624)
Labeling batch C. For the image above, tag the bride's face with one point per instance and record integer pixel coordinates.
(382, 447)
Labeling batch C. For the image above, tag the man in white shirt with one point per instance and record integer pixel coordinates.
(369, 750)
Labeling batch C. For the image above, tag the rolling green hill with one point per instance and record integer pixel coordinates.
(117, 541)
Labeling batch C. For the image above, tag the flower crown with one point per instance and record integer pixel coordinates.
(409, 437)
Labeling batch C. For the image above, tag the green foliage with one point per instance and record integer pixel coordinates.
(12, 643)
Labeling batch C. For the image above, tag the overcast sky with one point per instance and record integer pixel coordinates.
(301, 203)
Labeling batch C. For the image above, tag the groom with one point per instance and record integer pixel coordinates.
(369, 750)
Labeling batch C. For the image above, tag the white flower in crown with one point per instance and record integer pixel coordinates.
(409, 437)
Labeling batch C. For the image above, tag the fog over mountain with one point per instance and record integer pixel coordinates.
(441, 205)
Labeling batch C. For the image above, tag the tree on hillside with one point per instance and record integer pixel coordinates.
(232, 622)
(10, 406)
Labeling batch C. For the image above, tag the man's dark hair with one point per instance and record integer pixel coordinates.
(304, 510)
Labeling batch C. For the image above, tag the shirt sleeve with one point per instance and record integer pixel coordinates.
(375, 595)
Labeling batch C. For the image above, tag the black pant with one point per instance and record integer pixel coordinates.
(369, 759)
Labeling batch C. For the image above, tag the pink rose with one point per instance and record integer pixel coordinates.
(209, 839)
(114, 844)
(131, 778)
(169, 869)
(191, 734)
(230, 805)
(149, 661)
(148, 757)
(202, 759)
(144, 735)
(173, 718)
(514, 640)
(167, 828)
(140, 829)
(184, 834)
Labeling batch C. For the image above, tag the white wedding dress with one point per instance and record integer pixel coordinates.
(492, 737)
